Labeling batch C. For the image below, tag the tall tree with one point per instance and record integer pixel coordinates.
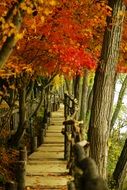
(119, 173)
(103, 88)
(119, 102)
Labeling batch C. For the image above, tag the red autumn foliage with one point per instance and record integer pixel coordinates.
(67, 41)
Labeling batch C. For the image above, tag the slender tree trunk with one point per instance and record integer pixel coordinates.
(11, 41)
(39, 104)
(119, 102)
(103, 88)
(80, 95)
(68, 86)
(30, 88)
(89, 105)
(84, 101)
(76, 87)
(119, 173)
(17, 137)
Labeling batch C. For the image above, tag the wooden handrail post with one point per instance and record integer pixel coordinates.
(65, 106)
(67, 144)
(21, 173)
(11, 185)
(42, 136)
(34, 144)
(70, 105)
(68, 138)
(71, 185)
(23, 154)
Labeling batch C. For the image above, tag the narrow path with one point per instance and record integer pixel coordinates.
(46, 168)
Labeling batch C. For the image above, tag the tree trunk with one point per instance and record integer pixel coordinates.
(68, 86)
(89, 105)
(119, 173)
(103, 88)
(76, 87)
(39, 104)
(119, 102)
(11, 41)
(84, 97)
(80, 96)
(17, 137)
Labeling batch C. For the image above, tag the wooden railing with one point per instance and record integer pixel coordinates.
(71, 130)
(70, 106)
(76, 151)
(55, 102)
(73, 138)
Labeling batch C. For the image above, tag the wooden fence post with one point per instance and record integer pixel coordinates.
(48, 118)
(65, 106)
(21, 173)
(34, 144)
(42, 136)
(71, 185)
(21, 169)
(45, 128)
(67, 141)
(23, 154)
(11, 185)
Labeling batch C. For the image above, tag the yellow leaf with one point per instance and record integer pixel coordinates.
(6, 25)
(12, 25)
(2, 20)
(18, 36)
(23, 6)
(47, 11)
(125, 48)
(42, 19)
(41, 1)
(33, 26)
(29, 10)
(52, 2)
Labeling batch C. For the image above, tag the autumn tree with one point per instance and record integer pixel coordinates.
(12, 14)
(14, 18)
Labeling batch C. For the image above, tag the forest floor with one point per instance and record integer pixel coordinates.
(46, 168)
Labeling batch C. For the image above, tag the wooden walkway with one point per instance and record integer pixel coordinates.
(46, 168)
